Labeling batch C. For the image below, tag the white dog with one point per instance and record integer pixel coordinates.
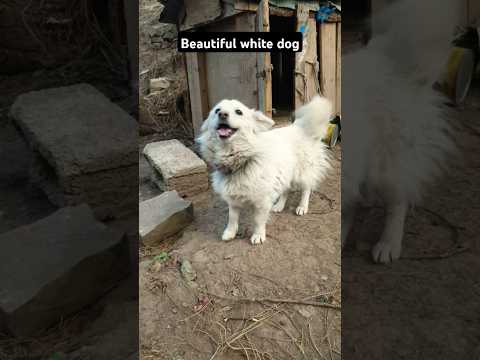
(395, 132)
(257, 166)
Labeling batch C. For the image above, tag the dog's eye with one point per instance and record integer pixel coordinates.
(217, 110)
(238, 112)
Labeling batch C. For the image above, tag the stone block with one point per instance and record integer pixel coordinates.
(85, 148)
(163, 216)
(181, 169)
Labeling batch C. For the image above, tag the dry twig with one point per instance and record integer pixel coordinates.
(280, 301)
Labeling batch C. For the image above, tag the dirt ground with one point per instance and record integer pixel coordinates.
(237, 306)
(427, 304)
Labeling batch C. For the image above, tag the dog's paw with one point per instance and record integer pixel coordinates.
(257, 239)
(385, 252)
(229, 234)
(301, 210)
(278, 207)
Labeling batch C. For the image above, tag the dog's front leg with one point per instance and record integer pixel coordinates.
(389, 248)
(260, 219)
(280, 204)
(302, 208)
(232, 226)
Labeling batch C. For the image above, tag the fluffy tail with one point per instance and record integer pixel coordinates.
(315, 117)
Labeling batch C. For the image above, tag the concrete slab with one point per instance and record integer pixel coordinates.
(181, 169)
(85, 147)
(55, 267)
(163, 216)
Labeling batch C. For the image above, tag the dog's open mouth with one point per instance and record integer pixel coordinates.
(225, 131)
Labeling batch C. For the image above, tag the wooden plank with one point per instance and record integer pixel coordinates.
(197, 104)
(328, 60)
(268, 64)
(246, 5)
(202, 74)
(232, 75)
(338, 105)
(311, 61)
(335, 17)
(264, 62)
(252, 5)
(278, 11)
(300, 77)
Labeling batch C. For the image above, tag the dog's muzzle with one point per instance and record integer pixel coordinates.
(224, 130)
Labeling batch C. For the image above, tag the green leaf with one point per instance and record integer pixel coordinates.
(163, 256)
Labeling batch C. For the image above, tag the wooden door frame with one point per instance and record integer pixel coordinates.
(264, 63)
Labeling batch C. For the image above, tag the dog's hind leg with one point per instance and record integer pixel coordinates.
(389, 248)
(260, 218)
(302, 207)
(232, 226)
(280, 204)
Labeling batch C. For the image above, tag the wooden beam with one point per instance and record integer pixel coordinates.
(264, 64)
(338, 85)
(196, 88)
(277, 11)
(327, 43)
(300, 75)
(311, 61)
(246, 5)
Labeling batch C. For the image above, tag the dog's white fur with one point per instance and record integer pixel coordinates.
(257, 166)
(394, 137)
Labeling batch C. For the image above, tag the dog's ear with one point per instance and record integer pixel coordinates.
(262, 121)
(204, 128)
(207, 121)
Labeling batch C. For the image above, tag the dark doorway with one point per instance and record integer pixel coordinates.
(283, 83)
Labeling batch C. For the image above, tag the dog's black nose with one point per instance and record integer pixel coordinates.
(223, 115)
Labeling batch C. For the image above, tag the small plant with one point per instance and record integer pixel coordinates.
(162, 257)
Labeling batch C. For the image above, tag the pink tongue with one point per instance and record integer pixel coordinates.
(224, 131)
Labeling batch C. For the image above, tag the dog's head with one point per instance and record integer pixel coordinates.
(230, 118)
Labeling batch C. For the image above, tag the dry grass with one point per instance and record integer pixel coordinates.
(239, 334)
(69, 31)
(162, 113)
